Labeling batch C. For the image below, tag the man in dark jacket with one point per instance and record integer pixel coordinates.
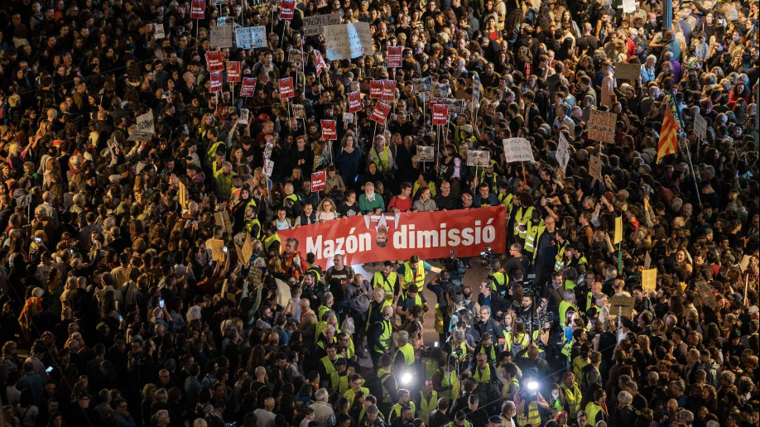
(81, 414)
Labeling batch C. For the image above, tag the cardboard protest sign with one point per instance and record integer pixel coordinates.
(287, 89)
(706, 294)
(221, 36)
(254, 276)
(624, 71)
(354, 101)
(700, 126)
(595, 167)
(622, 304)
(518, 150)
(217, 249)
(478, 158)
(380, 113)
(158, 31)
(319, 61)
(283, 293)
(649, 280)
(618, 230)
(287, 8)
(647, 261)
(214, 61)
(251, 37)
(215, 82)
(376, 89)
(248, 88)
(348, 41)
(425, 154)
(563, 152)
(328, 130)
(198, 9)
(222, 219)
(440, 114)
(182, 193)
(394, 56)
(299, 111)
(312, 25)
(233, 72)
(318, 181)
(601, 126)
(389, 90)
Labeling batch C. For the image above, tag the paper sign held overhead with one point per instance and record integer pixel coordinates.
(389, 91)
(348, 41)
(348, 118)
(425, 154)
(215, 82)
(145, 123)
(287, 8)
(268, 167)
(214, 61)
(329, 130)
(649, 280)
(354, 102)
(248, 88)
(380, 113)
(312, 25)
(421, 85)
(251, 37)
(624, 71)
(244, 115)
(601, 126)
(376, 89)
(700, 126)
(299, 111)
(518, 150)
(621, 304)
(198, 9)
(394, 56)
(295, 56)
(159, 32)
(563, 152)
(221, 36)
(440, 114)
(286, 88)
(618, 230)
(480, 158)
(595, 167)
(318, 181)
(222, 219)
(233, 72)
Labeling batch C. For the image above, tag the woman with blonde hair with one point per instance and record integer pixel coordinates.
(326, 210)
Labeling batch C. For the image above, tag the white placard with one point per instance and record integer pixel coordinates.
(159, 31)
(244, 114)
(518, 150)
(313, 25)
(221, 36)
(700, 126)
(601, 126)
(251, 37)
(629, 6)
(348, 41)
(426, 154)
(268, 167)
(348, 118)
(478, 158)
(145, 123)
(563, 152)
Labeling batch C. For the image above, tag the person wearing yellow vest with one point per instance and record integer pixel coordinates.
(428, 402)
(445, 381)
(504, 196)
(375, 311)
(534, 228)
(404, 400)
(487, 347)
(387, 387)
(381, 338)
(404, 358)
(355, 383)
(572, 394)
(521, 213)
(327, 371)
(327, 302)
(413, 272)
(460, 420)
(272, 243)
(409, 299)
(388, 281)
(252, 224)
(381, 154)
(567, 303)
(596, 410)
(486, 377)
(528, 403)
(291, 203)
(559, 263)
(511, 382)
(498, 278)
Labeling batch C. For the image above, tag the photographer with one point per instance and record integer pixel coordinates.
(358, 302)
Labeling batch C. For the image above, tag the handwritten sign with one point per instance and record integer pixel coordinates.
(318, 181)
(221, 36)
(563, 152)
(380, 113)
(624, 71)
(251, 37)
(700, 126)
(198, 9)
(518, 150)
(286, 88)
(215, 82)
(394, 56)
(440, 114)
(214, 61)
(622, 304)
(248, 88)
(312, 25)
(328, 130)
(233, 72)
(348, 41)
(425, 154)
(354, 102)
(706, 294)
(222, 219)
(649, 280)
(601, 126)
(478, 158)
(287, 8)
(595, 167)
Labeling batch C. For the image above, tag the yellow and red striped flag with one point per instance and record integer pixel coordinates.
(669, 133)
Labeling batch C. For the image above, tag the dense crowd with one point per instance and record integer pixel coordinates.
(128, 315)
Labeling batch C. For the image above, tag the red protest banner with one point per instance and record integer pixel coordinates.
(248, 88)
(380, 113)
(329, 130)
(394, 56)
(287, 7)
(354, 102)
(428, 235)
(198, 9)
(214, 61)
(286, 88)
(318, 181)
(440, 114)
(233, 72)
(389, 90)
(319, 61)
(215, 82)
(375, 89)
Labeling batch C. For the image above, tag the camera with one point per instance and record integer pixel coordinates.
(487, 255)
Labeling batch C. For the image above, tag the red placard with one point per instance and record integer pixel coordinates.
(328, 130)
(214, 61)
(376, 89)
(248, 88)
(389, 90)
(380, 113)
(394, 56)
(319, 61)
(215, 83)
(354, 102)
(318, 181)
(287, 7)
(286, 88)
(233, 72)
(429, 235)
(440, 114)
(198, 9)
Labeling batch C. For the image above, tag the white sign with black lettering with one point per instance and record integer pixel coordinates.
(518, 150)
(221, 36)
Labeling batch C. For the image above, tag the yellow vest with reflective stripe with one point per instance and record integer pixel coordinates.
(592, 409)
(417, 299)
(386, 303)
(270, 240)
(573, 398)
(522, 216)
(321, 312)
(427, 406)
(410, 276)
(431, 366)
(532, 234)
(351, 395)
(383, 375)
(559, 259)
(330, 370)
(450, 379)
(533, 416)
(387, 284)
(563, 307)
(506, 391)
(506, 200)
(408, 351)
(482, 375)
(385, 336)
(396, 409)
(523, 340)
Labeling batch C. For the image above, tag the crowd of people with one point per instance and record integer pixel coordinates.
(127, 314)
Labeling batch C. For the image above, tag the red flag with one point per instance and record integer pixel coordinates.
(669, 132)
